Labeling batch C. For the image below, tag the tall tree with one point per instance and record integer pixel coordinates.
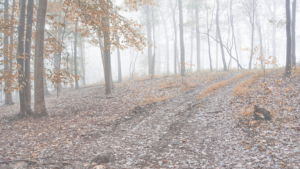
(220, 37)
(192, 40)
(167, 43)
(39, 99)
(288, 38)
(27, 88)
(107, 59)
(7, 74)
(250, 8)
(181, 38)
(294, 33)
(208, 28)
(154, 42)
(20, 60)
(119, 66)
(149, 35)
(197, 36)
(75, 55)
(175, 32)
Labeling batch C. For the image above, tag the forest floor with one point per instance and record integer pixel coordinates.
(204, 120)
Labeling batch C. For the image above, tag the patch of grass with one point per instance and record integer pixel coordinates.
(216, 86)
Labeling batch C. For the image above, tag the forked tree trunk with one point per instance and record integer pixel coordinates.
(175, 41)
(27, 87)
(39, 99)
(181, 39)
(289, 40)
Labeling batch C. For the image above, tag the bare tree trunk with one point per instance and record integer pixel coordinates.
(154, 42)
(294, 33)
(107, 67)
(75, 55)
(8, 96)
(7, 72)
(260, 44)
(167, 43)
(192, 44)
(233, 34)
(27, 88)
(175, 41)
(217, 51)
(20, 60)
(119, 66)
(46, 91)
(82, 60)
(198, 38)
(181, 38)
(149, 36)
(220, 37)
(39, 100)
(289, 40)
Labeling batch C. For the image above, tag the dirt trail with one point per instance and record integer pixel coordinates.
(176, 133)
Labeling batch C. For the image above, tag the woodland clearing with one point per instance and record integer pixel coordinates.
(162, 123)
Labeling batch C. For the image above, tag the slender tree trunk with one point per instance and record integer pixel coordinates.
(192, 44)
(7, 72)
(27, 87)
(289, 40)
(46, 91)
(294, 34)
(274, 34)
(82, 60)
(20, 60)
(167, 43)
(154, 42)
(198, 38)
(181, 38)
(149, 35)
(119, 66)
(233, 34)
(107, 67)
(252, 44)
(8, 96)
(220, 37)
(39, 100)
(175, 41)
(75, 56)
(260, 44)
(217, 51)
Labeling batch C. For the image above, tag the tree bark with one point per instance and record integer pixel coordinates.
(197, 37)
(107, 67)
(119, 66)
(260, 44)
(181, 38)
(154, 42)
(27, 87)
(8, 99)
(7, 72)
(82, 60)
(294, 34)
(192, 43)
(289, 40)
(20, 59)
(167, 43)
(39, 99)
(75, 56)
(149, 35)
(220, 37)
(175, 41)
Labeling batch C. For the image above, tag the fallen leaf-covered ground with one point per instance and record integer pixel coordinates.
(161, 123)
